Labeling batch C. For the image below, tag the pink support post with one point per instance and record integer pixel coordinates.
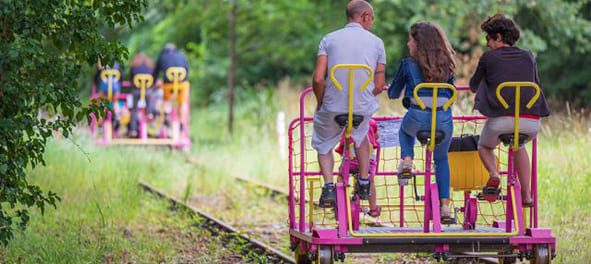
(303, 162)
(534, 182)
(292, 222)
(519, 217)
(435, 214)
(427, 213)
(401, 206)
(510, 181)
(343, 221)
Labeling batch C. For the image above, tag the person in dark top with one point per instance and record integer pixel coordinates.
(140, 70)
(102, 77)
(431, 61)
(506, 63)
(172, 62)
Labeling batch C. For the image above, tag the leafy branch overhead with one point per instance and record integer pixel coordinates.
(44, 46)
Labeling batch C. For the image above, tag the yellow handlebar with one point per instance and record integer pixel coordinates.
(108, 76)
(435, 87)
(143, 81)
(176, 74)
(529, 105)
(351, 68)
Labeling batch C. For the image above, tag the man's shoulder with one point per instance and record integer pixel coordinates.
(374, 36)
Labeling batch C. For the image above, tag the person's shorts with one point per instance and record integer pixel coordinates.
(496, 126)
(327, 132)
(182, 95)
(115, 88)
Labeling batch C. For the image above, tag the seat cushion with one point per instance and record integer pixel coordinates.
(343, 118)
(424, 135)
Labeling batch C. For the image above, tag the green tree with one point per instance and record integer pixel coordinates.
(277, 39)
(44, 45)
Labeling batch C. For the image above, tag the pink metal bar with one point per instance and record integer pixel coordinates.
(342, 209)
(509, 212)
(427, 212)
(534, 183)
(303, 161)
(291, 189)
(435, 214)
(402, 205)
(519, 217)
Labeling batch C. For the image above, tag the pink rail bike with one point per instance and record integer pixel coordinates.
(109, 136)
(410, 220)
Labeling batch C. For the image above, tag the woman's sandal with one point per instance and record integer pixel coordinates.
(445, 215)
(375, 213)
(404, 173)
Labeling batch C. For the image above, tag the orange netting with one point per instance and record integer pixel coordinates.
(389, 195)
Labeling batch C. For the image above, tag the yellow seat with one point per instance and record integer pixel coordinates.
(466, 171)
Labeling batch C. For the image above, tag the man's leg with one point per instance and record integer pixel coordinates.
(363, 182)
(326, 162)
(363, 158)
(524, 173)
(487, 156)
(325, 136)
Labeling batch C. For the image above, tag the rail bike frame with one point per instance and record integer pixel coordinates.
(175, 140)
(514, 235)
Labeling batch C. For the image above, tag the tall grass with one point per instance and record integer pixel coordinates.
(104, 216)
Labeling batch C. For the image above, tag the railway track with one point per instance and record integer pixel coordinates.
(218, 227)
(463, 257)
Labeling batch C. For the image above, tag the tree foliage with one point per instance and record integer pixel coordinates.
(44, 45)
(277, 39)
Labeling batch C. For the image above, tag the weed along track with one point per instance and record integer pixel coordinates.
(250, 247)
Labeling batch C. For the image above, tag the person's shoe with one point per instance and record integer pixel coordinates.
(527, 202)
(375, 213)
(363, 188)
(328, 198)
(492, 189)
(446, 218)
(404, 173)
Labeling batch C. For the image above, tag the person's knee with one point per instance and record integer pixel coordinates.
(483, 148)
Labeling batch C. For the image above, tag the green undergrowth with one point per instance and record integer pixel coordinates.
(104, 217)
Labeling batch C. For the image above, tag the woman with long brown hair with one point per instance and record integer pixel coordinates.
(431, 60)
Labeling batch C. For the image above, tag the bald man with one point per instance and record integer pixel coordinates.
(353, 44)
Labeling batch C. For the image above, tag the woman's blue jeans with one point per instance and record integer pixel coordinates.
(416, 120)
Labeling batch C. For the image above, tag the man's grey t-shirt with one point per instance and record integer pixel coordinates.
(351, 45)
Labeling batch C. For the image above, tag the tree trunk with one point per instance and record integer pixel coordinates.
(232, 38)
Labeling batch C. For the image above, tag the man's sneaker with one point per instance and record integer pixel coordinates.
(328, 198)
(404, 173)
(362, 188)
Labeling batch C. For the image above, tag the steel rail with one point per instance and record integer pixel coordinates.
(217, 226)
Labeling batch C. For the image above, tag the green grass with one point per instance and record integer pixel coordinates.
(104, 217)
(101, 197)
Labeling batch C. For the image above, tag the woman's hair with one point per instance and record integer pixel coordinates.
(433, 52)
(501, 25)
(141, 59)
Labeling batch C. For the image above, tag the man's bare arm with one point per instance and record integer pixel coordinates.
(318, 83)
(378, 79)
